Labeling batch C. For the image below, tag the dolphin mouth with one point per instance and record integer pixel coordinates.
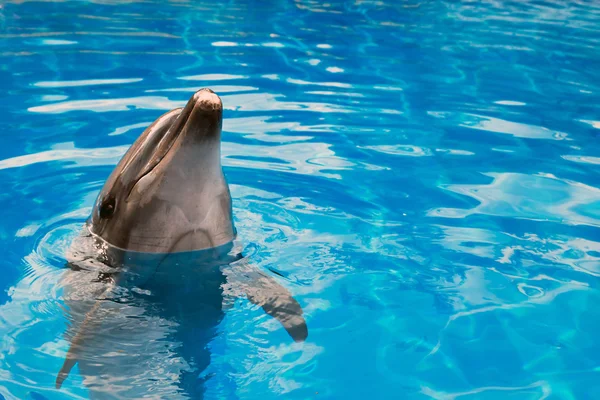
(203, 102)
(202, 114)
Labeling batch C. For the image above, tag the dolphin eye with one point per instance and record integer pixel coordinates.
(107, 208)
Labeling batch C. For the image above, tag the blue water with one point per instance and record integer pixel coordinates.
(424, 174)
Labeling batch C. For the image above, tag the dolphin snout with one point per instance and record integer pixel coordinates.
(207, 100)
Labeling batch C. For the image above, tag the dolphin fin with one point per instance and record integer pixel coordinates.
(85, 329)
(68, 365)
(264, 291)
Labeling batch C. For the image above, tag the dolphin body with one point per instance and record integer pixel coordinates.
(155, 265)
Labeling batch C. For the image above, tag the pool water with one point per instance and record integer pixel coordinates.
(424, 175)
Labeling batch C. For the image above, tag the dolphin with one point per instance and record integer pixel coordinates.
(157, 264)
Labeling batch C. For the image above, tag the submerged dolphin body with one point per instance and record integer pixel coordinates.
(155, 262)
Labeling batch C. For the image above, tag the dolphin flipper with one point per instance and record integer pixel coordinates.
(86, 328)
(264, 291)
(76, 343)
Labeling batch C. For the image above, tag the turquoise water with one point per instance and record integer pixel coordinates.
(424, 175)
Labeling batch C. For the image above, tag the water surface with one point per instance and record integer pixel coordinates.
(425, 175)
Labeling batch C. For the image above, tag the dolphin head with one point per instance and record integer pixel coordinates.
(168, 193)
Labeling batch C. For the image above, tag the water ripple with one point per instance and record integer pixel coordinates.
(239, 102)
(422, 175)
(538, 197)
(498, 125)
(86, 82)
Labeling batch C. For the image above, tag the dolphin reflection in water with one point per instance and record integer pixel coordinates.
(155, 265)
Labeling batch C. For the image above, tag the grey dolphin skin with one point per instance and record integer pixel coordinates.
(158, 251)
